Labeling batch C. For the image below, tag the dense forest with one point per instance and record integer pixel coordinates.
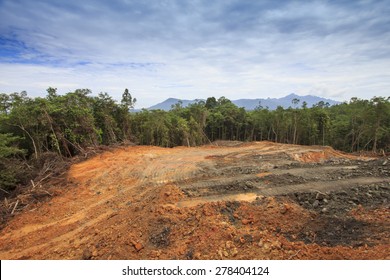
(63, 126)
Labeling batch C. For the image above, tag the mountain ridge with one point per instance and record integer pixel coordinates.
(251, 104)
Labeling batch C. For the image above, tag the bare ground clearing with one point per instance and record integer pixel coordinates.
(237, 200)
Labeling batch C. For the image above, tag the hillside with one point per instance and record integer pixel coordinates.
(251, 104)
(229, 200)
(167, 104)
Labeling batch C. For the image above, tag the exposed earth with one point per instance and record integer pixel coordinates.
(230, 200)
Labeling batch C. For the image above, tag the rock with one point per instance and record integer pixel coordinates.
(246, 221)
(234, 252)
(382, 194)
(355, 200)
(316, 204)
(155, 254)
(276, 244)
(87, 254)
(266, 247)
(385, 162)
(283, 209)
(320, 196)
(324, 210)
(229, 244)
(225, 253)
(137, 245)
(94, 253)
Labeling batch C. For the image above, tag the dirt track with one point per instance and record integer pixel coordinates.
(234, 201)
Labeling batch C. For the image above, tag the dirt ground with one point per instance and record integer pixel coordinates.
(230, 200)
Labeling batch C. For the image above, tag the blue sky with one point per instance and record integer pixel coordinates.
(196, 49)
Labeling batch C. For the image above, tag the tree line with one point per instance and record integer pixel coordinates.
(66, 125)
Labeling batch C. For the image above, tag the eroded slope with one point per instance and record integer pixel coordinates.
(236, 201)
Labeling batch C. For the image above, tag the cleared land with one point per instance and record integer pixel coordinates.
(230, 200)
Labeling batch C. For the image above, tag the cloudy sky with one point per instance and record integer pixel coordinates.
(196, 49)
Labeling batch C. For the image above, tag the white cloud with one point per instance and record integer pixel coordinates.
(161, 49)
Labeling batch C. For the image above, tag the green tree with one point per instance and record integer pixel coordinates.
(379, 121)
(127, 104)
(10, 168)
(107, 114)
(295, 101)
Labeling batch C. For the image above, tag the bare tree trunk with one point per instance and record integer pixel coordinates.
(295, 130)
(374, 146)
(32, 140)
(276, 135)
(54, 134)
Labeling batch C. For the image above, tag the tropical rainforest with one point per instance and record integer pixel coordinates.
(65, 126)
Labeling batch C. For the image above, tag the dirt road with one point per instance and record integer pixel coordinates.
(232, 201)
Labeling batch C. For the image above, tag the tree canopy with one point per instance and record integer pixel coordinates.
(68, 124)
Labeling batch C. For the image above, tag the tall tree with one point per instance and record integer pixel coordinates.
(127, 104)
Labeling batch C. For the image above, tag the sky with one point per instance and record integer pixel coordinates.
(192, 49)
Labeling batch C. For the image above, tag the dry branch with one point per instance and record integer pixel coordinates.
(4, 190)
(5, 202)
(16, 205)
(294, 255)
(47, 192)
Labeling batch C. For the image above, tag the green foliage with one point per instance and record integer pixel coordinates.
(7, 146)
(68, 124)
(354, 126)
(10, 167)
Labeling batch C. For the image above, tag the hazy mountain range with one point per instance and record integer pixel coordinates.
(250, 104)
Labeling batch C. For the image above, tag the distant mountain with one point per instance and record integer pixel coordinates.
(285, 102)
(251, 104)
(167, 104)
